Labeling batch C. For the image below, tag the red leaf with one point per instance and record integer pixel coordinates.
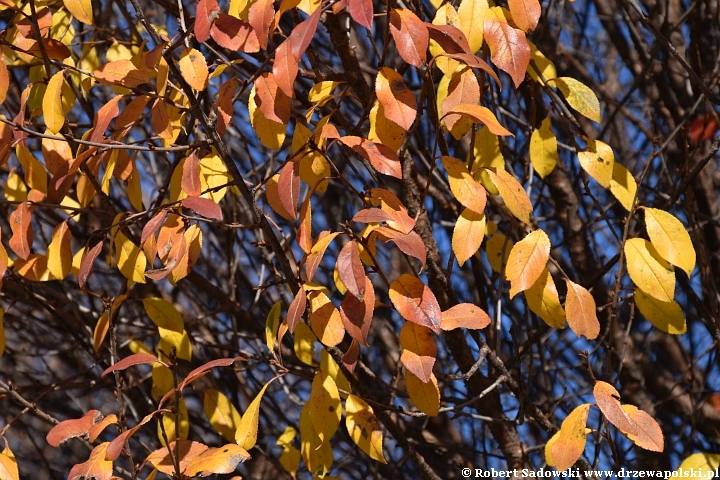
(116, 446)
(352, 355)
(68, 429)
(103, 117)
(362, 12)
(296, 310)
(351, 270)
(451, 39)
(289, 188)
(203, 369)
(205, 13)
(509, 48)
(381, 157)
(203, 206)
(21, 225)
(302, 34)
(152, 225)
(357, 313)
(271, 100)
(190, 181)
(134, 359)
(415, 302)
(234, 34)
(409, 243)
(371, 215)
(703, 128)
(86, 264)
(285, 68)
(260, 16)
(411, 36)
(224, 105)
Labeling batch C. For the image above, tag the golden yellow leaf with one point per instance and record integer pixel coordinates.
(317, 455)
(332, 369)
(270, 133)
(321, 92)
(579, 96)
(290, 456)
(363, 427)
(163, 314)
(59, 253)
(304, 344)
(246, 434)
(466, 190)
(650, 272)
(325, 320)
(543, 149)
(513, 194)
(703, 463)
(472, 20)
(80, 9)
(424, 395)
(545, 66)
(486, 152)
(569, 446)
(325, 407)
(623, 186)
(667, 316)
(179, 340)
(598, 161)
(52, 103)
(221, 413)
(444, 15)
(542, 298)
(170, 422)
(131, 260)
(35, 174)
(272, 323)
(581, 311)
(15, 189)
(548, 449)
(527, 261)
(216, 460)
(384, 131)
(193, 68)
(467, 235)
(2, 331)
(8, 465)
(649, 435)
(213, 174)
(498, 249)
(670, 239)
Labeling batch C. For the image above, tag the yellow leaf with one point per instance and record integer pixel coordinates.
(513, 194)
(317, 455)
(15, 189)
(363, 427)
(52, 103)
(193, 68)
(648, 436)
(271, 325)
(134, 190)
(304, 343)
(705, 463)
(581, 311)
(445, 15)
(325, 320)
(169, 422)
(425, 396)
(101, 329)
(385, 131)
(667, 316)
(216, 460)
(213, 174)
(290, 456)
(598, 161)
(221, 413)
(465, 189)
(498, 249)
(131, 260)
(59, 253)
(623, 186)
(325, 407)
(543, 149)
(569, 446)
(270, 133)
(179, 340)
(670, 239)
(35, 174)
(246, 434)
(648, 270)
(321, 92)
(545, 66)
(8, 465)
(467, 235)
(80, 9)
(329, 367)
(527, 261)
(162, 381)
(542, 298)
(579, 96)
(163, 314)
(472, 20)
(548, 449)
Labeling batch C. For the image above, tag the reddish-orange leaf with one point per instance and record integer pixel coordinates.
(419, 350)
(99, 427)
(473, 61)
(21, 225)
(4, 81)
(391, 205)
(381, 157)
(409, 243)
(371, 215)
(415, 302)
(121, 72)
(701, 129)
(186, 451)
(159, 119)
(296, 310)
(68, 429)
(289, 188)
(177, 252)
(260, 16)
(96, 467)
(357, 313)
(649, 435)
(203, 370)
(131, 113)
(525, 13)
(153, 56)
(234, 34)
(450, 38)
(464, 315)
(509, 48)
(302, 34)
(316, 253)
(608, 400)
(285, 68)
(463, 89)
(470, 193)
(304, 234)
(86, 264)
(581, 311)
(55, 49)
(479, 114)
(116, 446)
(411, 36)
(205, 13)
(271, 100)
(190, 181)
(134, 359)
(362, 12)
(351, 270)
(103, 117)
(203, 206)
(224, 105)
(527, 261)
(351, 356)
(152, 225)
(396, 98)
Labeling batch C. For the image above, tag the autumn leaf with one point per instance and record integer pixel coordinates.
(285, 69)
(543, 148)
(203, 206)
(59, 253)
(667, 316)
(21, 225)
(467, 235)
(670, 239)
(356, 313)
(649, 435)
(246, 434)
(96, 466)
(464, 315)
(462, 88)
(464, 187)
(570, 443)
(132, 360)
(381, 157)
(509, 48)
(121, 72)
(472, 20)
(317, 252)
(513, 194)
(542, 298)
(205, 13)
(186, 451)
(527, 261)
(303, 33)
(411, 36)
(325, 407)
(234, 34)
(351, 270)
(419, 350)
(608, 400)
(623, 186)
(52, 103)
(598, 161)
(581, 311)
(193, 68)
(415, 302)
(362, 12)
(325, 320)
(579, 96)
(648, 270)
(424, 395)
(397, 100)
(217, 460)
(363, 427)
(68, 429)
(221, 413)
(479, 114)
(525, 13)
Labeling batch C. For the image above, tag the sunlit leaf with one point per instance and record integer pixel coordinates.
(670, 239)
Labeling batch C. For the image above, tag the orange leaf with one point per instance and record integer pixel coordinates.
(186, 450)
(509, 48)
(260, 16)
(121, 72)
(527, 261)
(317, 251)
(103, 117)
(570, 442)
(395, 97)
(325, 320)
(608, 400)
(450, 38)
(381, 157)
(304, 233)
(296, 310)
(21, 225)
(86, 264)
(272, 195)
(351, 270)
(302, 34)
(581, 311)
(224, 105)
(415, 302)
(512, 193)
(285, 69)
(134, 359)
(409, 243)
(96, 466)
(193, 68)
(271, 100)
(4, 81)
(411, 36)
(468, 235)
(464, 315)
(525, 13)
(289, 188)
(351, 356)
(234, 34)
(357, 313)
(190, 181)
(467, 191)
(205, 13)
(649, 436)
(479, 114)
(217, 460)
(68, 429)
(419, 350)
(474, 62)
(159, 119)
(463, 89)
(425, 395)
(391, 205)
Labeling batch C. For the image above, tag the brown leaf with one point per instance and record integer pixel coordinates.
(464, 315)
(395, 97)
(260, 16)
(352, 355)
(134, 359)
(362, 12)
(103, 117)
(21, 225)
(411, 36)
(351, 270)
(419, 350)
(415, 302)
(205, 13)
(450, 38)
(302, 34)
(86, 264)
(152, 225)
(581, 311)
(203, 206)
(649, 435)
(234, 34)
(271, 100)
(68, 429)
(371, 215)
(296, 310)
(357, 313)
(289, 188)
(381, 157)
(285, 68)
(509, 48)
(608, 400)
